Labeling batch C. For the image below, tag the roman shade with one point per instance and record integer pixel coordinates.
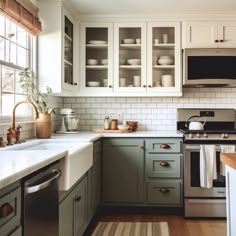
(23, 12)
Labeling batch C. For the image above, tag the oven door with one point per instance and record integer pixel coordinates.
(192, 175)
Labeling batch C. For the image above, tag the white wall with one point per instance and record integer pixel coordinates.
(156, 113)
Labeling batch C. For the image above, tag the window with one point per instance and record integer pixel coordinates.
(16, 54)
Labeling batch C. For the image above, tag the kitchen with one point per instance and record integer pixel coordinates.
(153, 106)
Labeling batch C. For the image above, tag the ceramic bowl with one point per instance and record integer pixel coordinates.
(123, 127)
(104, 61)
(93, 84)
(165, 60)
(128, 41)
(134, 62)
(92, 62)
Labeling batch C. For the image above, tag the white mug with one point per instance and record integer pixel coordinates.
(156, 41)
(157, 83)
(138, 41)
(123, 82)
(167, 80)
(137, 81)
(105, 82)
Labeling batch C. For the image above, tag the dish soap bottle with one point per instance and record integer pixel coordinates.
(106, 123)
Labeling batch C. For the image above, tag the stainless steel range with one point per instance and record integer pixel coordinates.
(218, 130)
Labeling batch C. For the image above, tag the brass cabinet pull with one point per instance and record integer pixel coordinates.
(110, 86)
(164, 146)
(144, 86)
(216, 41)
(6, 210)
(164, 164)
(142, 147)
(164, 190)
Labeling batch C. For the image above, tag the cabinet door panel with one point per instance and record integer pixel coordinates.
(80, 208)
(200, 34)
(227, 33)
(123, 170)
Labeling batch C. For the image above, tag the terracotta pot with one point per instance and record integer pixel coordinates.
(44, 126)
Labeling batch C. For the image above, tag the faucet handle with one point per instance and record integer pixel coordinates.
(18, 134)
(1, 142)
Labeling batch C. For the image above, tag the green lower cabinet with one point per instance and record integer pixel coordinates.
(94, 181)
(123, 170)
(73, 211)
(164, 192)
(10, 203)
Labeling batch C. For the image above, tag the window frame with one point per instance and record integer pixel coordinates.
(32, 59)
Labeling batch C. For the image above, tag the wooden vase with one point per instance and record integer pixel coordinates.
(44, 126)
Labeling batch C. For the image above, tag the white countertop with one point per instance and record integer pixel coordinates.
(91, 136)
(16, 164)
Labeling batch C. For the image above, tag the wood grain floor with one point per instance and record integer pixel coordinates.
(178, 225)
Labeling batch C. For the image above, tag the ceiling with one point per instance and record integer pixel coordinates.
(154, 7)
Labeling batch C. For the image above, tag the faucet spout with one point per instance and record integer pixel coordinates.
(13, 124)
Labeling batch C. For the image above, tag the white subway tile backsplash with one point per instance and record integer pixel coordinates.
(152, 113)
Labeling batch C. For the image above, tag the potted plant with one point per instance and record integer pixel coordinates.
(34, 95)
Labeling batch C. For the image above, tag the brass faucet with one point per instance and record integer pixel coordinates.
(13, 131)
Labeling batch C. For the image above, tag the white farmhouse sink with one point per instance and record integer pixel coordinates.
(78, 161)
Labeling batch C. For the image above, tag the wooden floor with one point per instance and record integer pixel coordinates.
(178, 225)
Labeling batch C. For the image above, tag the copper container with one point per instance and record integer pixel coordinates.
(114, 124)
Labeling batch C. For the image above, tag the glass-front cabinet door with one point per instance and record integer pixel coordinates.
(68, 33)
(164, 58)
(96, 58)
(130, 57)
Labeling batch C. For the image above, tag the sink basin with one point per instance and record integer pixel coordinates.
(78, 161)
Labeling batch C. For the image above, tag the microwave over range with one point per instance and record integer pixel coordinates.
(209, 67)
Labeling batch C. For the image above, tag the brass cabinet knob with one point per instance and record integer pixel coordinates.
(164, 164)
(164, 190)
(164, 146)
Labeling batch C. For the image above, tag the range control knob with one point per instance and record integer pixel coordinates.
(224, 135)
(190, 135)
(198, 135)
(205, 135)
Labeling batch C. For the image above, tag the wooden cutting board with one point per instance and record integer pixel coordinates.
(111, 131)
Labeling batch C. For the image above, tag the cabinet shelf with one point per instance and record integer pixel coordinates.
(130, 67)
(68, 37)
(164, 67)
(166, 45)
(130, 46)
(68, 63)
(97, 46)
(97, 67)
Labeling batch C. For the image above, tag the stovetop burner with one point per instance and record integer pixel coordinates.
(220, 131)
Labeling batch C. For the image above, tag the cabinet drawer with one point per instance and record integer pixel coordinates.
(163, 145)
(164, 192)
(10, 211)
(163, 165)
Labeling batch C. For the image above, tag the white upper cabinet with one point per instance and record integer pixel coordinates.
(164, 59)
(209, 34)
(96, 58)
(130, 58)
(56, 48)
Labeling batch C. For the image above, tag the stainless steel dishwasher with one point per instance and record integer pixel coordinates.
(41, 212)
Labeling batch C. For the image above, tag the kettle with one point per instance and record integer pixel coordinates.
(195, 125)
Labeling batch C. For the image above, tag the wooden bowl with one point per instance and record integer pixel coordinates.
(133, 125)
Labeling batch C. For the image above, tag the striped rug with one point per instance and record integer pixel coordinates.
(131, 229)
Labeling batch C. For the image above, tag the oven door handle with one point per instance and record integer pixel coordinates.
(197, 147)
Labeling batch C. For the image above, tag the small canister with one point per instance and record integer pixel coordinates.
(114, 124)
(106, 123)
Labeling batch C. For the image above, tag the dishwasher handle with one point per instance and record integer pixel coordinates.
(45, 184)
